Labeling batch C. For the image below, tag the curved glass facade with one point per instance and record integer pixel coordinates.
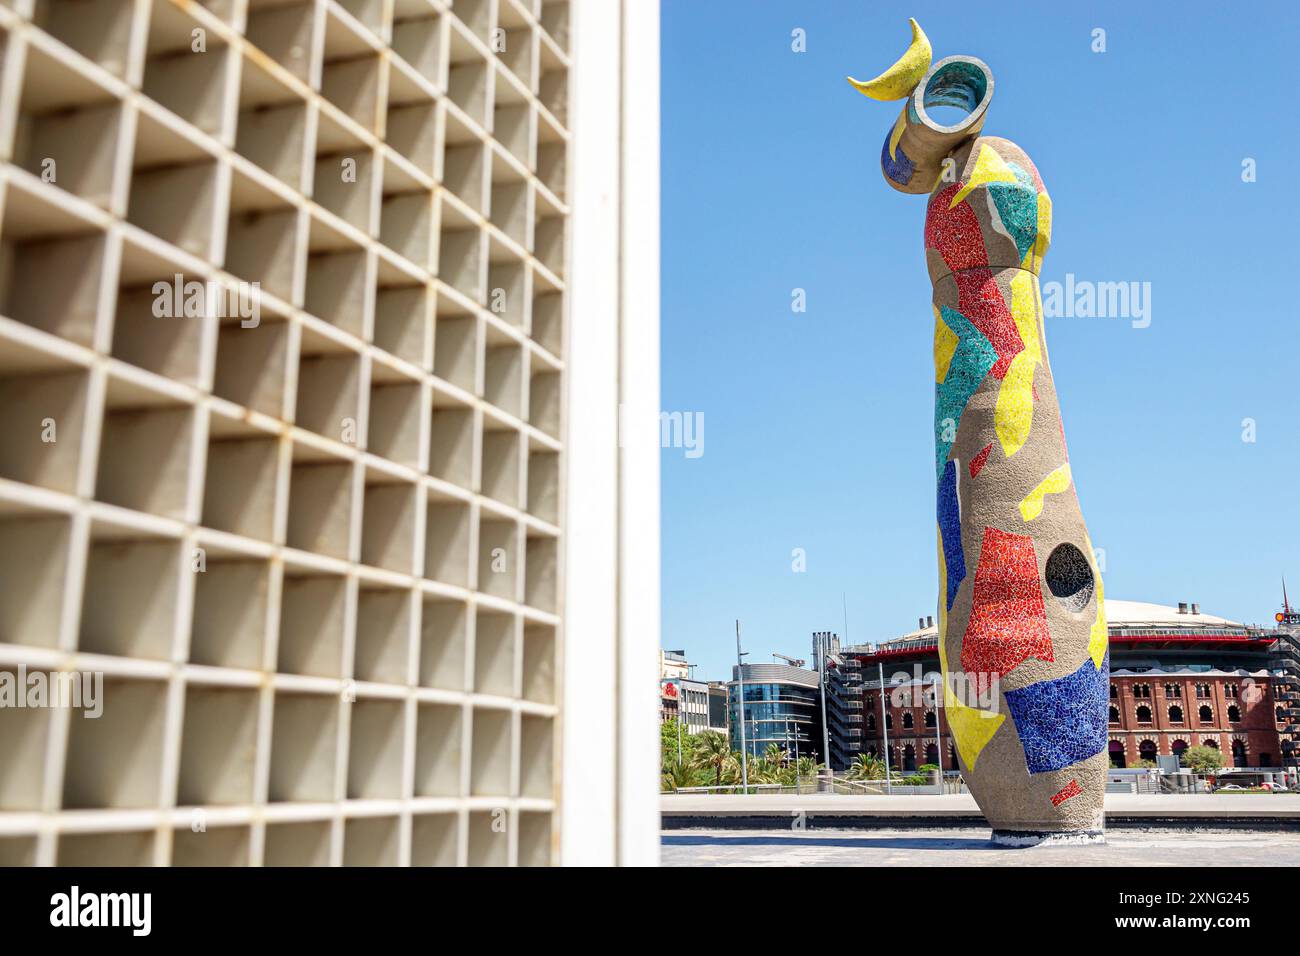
(784, 714)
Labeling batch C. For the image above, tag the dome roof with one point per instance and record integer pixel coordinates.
(1142, 614)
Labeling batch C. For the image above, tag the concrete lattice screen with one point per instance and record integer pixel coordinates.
(364, 670)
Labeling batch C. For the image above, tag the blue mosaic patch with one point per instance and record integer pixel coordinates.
(898, 168)
(1062, 721)
(949, 512)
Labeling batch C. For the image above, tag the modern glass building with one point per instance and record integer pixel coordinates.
(782, 706)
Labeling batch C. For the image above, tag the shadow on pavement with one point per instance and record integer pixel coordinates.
(878, 843)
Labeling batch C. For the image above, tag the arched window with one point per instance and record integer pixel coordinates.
(952, 758)
(908, 720)
(1210, 743)
(1234, 714)
(1141, 690)
(1143, 714)
(1114, 714)
(1147, 750)
(932, 754)
(1175, 714)
(909, 757)
(1177, 747)
(1205, 714)
(1116, 750)
(889, 721)
(1239, 753)
(1281, 717)
(871, 721)
(1114, 692)
(929, 718)
(1231, 691)
(1174, 690)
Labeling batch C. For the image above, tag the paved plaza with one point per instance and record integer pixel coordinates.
(831, 830)
(960, 808)
(969, 846)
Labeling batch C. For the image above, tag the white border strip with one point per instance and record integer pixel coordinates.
(609, 778)
(638, 693)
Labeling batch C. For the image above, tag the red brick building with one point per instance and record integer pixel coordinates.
(1165, 712)
(1179, 678)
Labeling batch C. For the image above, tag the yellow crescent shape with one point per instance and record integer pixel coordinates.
(901, 78)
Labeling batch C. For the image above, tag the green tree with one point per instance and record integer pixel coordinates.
(1202, 759)
(867, 767)
(733, 770)
(668, 741)
(712, 752)
(675, 776)
(809, 767)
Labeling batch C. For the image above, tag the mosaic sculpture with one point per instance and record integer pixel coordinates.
(1022, 630)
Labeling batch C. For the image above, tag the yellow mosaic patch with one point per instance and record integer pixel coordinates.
(1014, 413)
(1032, 505)
(989, 168)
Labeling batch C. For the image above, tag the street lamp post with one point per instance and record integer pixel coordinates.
(681, 712)
(823, 646)
(884, 727)
(938, 732)
(740, 703)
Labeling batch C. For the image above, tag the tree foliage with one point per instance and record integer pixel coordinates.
(1202, 759)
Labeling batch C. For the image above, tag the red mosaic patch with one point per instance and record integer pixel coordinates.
(1071, 789)
(980, 300)
(955, 233)
(1008, 622)
(977, 463)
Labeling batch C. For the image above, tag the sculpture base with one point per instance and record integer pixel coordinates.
(1027, 838)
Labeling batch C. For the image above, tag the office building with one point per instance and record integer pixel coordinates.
(782, 706)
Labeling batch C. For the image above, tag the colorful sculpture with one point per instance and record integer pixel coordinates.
(1022, 630)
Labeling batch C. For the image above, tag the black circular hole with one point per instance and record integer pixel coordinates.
(1069, 577)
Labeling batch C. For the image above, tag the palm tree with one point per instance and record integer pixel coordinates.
(776, 754)
(732, 770)
(763, 769)
(712, 752)
(677, 775)
(867, 767)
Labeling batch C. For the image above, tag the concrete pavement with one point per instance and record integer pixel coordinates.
(970, 847)
(1278, 811)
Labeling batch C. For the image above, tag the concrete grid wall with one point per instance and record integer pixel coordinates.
(316, 559)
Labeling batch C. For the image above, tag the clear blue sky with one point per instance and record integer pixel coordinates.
(818, 426)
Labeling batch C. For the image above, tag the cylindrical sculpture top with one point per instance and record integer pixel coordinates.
(913, 153)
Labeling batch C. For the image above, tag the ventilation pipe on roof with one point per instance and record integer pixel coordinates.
(929, 620)
(1182, 607)
(920, 624)
(1196, 608)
